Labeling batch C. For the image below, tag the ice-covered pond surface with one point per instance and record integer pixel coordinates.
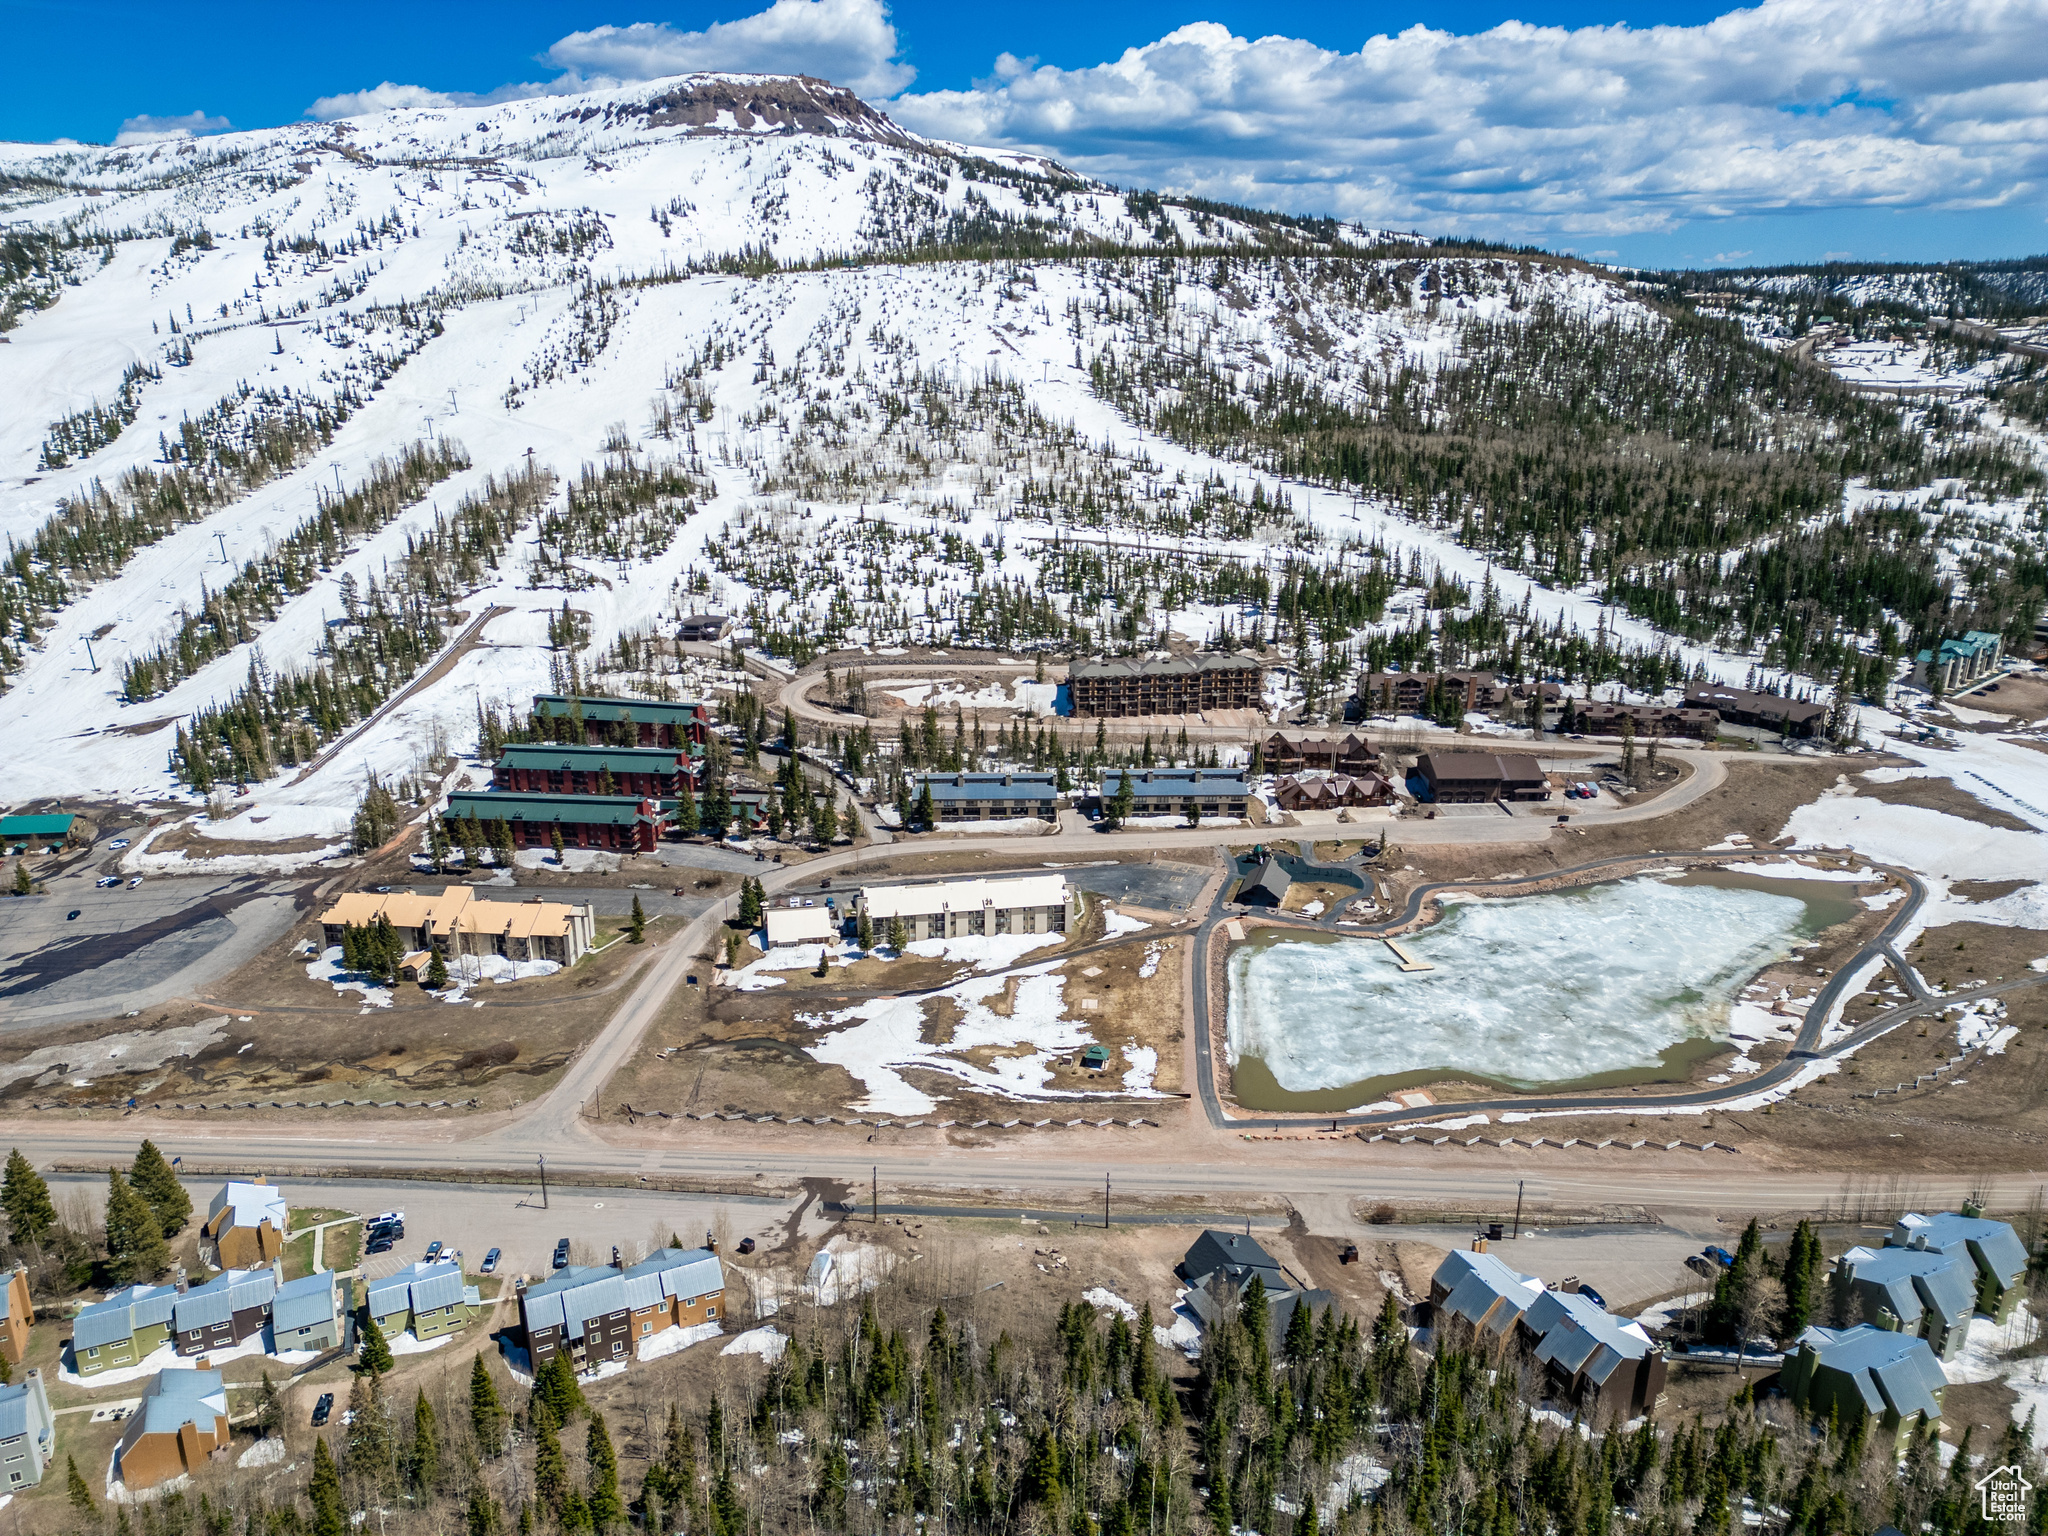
(1633, 976)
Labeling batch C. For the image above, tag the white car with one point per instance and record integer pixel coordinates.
(135, 882)
(119, 842)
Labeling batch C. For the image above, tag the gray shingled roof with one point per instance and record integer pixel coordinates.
(1580, 1335)
(1483, 1291)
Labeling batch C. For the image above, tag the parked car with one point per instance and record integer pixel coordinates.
(746, 1245)
(1348, 1254)
(119, 842)
(71, 914)
(1592, 1295)
(378, 1245)
(322, 1409)
(135, 882)
(433, 1250)
(491, 1262)
(561, 1260)
(1720, 1256)
(385, 1219)
(105, 881)
(1700, 1265)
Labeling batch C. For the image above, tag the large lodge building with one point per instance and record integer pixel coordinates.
(1165, 685)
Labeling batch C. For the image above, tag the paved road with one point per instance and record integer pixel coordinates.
(130, 949)
(609, 900)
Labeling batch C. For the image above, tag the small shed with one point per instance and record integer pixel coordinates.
(1266, 888)
(1095, 1058)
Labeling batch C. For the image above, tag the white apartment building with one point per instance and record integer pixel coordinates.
(952, 909)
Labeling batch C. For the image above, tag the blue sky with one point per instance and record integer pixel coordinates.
(1676, 134)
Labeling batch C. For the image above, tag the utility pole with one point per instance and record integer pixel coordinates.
(543, 1181)
(1518, 1206)
(875, 1194)
(1105, 1202)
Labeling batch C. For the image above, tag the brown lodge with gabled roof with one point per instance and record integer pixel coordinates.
(1165, 685)
(456, 921)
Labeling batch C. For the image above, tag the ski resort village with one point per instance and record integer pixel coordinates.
(718, 819)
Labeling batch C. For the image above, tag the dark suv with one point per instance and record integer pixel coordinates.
(562, 1254)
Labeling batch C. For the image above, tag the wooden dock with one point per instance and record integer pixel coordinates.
(1407, 958)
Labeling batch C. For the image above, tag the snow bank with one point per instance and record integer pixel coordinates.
(328, 968)
(1108, 1301)
(765, 1342)
(674, 1339)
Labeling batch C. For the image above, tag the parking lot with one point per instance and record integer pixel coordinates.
(129, 949)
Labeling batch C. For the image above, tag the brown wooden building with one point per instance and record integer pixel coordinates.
(598, 1315)
(1350, 753)
(1407, 693)
(181, 1425)
(1165, 685)
(17, 1314)
(1303, 792)
(1478, 778)
(623, 722)
(548, 768)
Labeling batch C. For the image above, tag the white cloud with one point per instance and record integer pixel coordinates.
(1547, 130)
(849, 42)
(390, 95)
(146, 129)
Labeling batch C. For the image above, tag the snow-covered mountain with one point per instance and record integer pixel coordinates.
(287, 408)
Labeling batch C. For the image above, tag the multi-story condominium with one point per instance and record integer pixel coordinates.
(639, 773)
(457, 921)
(123, 1330)
(624, 722)
(426, 1300)
(596, 1314)
(1165, 685)
(952, 909)
(989, 796)
(181, 1425)
(612, 823)
(246, 1224)
(28, 1433)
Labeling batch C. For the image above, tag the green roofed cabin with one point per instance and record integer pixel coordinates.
(545, 768)
(50, 832)
(624, 722)
(619, 823)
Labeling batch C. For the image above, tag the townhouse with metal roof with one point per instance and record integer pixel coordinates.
(551, 768)
(1958, 663)
(1910, 1290)
(427, 1300)
(1894, 1377)
(306, 1313)
(123, 1330)
(28, 1433)
(181, 1425)
(621, 823)
(1606, 1364)
(245, 1223)
(951, 909)
(17, 1314)
(624, 722)
(2000, 1256)
(990, 796)
(1179, 791)
(1165, 685)
(232, 1306)
(597, 1314)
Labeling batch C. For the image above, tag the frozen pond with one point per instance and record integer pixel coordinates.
(1629, 980)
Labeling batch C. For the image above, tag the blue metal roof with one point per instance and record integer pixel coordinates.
(1036, 787)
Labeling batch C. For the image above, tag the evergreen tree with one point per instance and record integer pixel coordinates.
(925, 814)
(850, 824)
(602, 1475)
(550, 1466)
(1124, 801)
(24, 883)
(734, 945)
(323, 1492)
(752, 898)
(136, 1249)
(554, 1385)
(636, 928)
(423, 1456)
(31, 1214)
(486, 1418)
(76, 1485)
(686, 822)
(482, 1517)
(269, 1415)
(152, 1178)
(555, 843)
(437, 973)
(899, 934)
(865, 934)
(373, 1353)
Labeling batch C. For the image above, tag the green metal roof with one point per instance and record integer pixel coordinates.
(549, 755)
(585, 810)
(36, 826)
(641, 711)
